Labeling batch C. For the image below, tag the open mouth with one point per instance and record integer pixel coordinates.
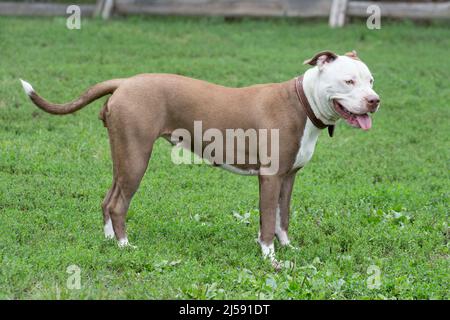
(362, 121)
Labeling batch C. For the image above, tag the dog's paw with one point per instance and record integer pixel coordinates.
(109, 237)
(108, 229)
(123, 243)
(268, 252)
(282, 237)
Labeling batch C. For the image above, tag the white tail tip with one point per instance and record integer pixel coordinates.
(27, 87)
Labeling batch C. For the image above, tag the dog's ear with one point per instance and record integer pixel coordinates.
(321, 59)
(353, 55)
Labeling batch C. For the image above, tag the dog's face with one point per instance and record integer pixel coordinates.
(346, 84)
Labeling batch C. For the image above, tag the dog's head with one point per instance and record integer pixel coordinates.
(345, 83)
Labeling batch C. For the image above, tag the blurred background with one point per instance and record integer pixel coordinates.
(338, 11)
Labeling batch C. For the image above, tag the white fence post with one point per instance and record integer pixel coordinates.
(98, 8)
(338, 13)
(107, 10)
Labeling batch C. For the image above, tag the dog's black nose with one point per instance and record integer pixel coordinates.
(372, 102)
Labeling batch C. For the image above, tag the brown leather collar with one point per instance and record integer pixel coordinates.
(307, 107)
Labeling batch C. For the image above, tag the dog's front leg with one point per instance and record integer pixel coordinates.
(269, 194)
(283, 210)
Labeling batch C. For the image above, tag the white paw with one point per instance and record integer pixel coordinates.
(268, 252)
(109, 231)
(283, 237)
(123, 243)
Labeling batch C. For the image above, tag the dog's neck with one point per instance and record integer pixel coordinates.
(319, 103)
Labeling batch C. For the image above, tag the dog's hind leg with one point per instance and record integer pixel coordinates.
(131, 147)
(130, 168)
(108, 227)
(130, 165)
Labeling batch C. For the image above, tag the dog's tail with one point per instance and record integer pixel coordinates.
(93, 93)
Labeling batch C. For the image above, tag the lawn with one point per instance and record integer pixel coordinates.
(369, 204)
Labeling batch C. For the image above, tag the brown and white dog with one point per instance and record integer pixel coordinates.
(148, 106)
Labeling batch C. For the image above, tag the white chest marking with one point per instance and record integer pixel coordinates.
(307, 145)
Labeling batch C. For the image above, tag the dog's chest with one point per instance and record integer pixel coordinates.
(307, 144)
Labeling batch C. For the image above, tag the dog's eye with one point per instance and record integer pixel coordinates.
(371, 81)
(350, 82)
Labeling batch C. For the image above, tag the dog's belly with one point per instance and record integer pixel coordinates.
(307, 145)
(241, 171)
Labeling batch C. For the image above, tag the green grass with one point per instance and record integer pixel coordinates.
(366, 198)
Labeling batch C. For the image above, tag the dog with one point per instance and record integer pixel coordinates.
(146, 107)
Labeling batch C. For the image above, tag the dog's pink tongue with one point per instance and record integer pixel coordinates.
(364, 121)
